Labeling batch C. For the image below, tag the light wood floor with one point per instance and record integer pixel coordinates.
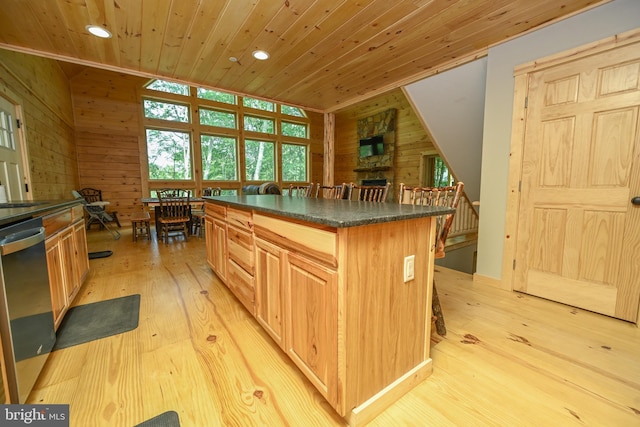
(508, 359)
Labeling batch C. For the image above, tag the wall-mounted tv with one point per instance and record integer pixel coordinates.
(373, 146)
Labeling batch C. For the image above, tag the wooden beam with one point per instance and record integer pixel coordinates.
(329, 144)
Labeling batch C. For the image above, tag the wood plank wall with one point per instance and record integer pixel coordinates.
(43, 91)
(107, 111)
(316, 137)
(411, 139)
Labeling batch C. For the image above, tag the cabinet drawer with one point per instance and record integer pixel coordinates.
(315, 243)
(216, 211)
(56, 221)
(241, 284)
(240, 247)
(239, 218)
(77, 212)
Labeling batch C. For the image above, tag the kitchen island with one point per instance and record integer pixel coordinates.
(327, 280)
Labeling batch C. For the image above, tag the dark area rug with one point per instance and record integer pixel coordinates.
(167, 419)
(89, 322)
(100, 254)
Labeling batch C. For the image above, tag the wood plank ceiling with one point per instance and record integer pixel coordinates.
(325, 54)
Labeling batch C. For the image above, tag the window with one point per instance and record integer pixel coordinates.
(169, 154)
(260, 160)
(217, 118)
(259, 124)
(258, 104)
(169, 87)
(215, 95)
(291, 111)
(436, 172)
(294, 129)
(219, 158)
(7, 139)
(166, 111)
(266, 139)
(294, 163)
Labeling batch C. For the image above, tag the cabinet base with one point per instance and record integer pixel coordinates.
(370, 409)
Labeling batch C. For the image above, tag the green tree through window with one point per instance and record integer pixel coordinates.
(219, 158)
(169, 154)
(294, 163)
(217, 118)
(259, 159)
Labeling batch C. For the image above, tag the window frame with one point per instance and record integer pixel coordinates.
(197, 131)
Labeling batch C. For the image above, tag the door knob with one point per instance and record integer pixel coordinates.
(636, 200)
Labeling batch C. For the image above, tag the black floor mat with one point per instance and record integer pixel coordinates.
(101, 254)
(84, 323)
(167, 419)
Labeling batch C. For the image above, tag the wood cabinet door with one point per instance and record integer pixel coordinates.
(578, 232)
(311, 322)
(219, 237)
(81, 252)
(269, 294)
(216, 243)
(56, 279)
(209, 236)
(71, 283)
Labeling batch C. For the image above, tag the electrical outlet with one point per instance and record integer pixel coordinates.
(409, 267)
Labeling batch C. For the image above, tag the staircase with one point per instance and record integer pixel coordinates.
(464, 230)
(461, 242)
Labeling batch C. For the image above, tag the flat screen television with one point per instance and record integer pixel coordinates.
(373, 146)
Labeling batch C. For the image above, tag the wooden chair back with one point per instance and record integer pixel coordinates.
(300, 190)
(331, 191)
(212, 191)
(434, 196)
(369, 193)
(174, 203)
(175, 212)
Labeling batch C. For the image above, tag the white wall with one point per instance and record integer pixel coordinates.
(451, 104)
(604, 21)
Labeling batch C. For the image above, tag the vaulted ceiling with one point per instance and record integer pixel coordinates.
(325, 54)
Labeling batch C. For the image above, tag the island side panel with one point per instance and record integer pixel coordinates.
(387, 321)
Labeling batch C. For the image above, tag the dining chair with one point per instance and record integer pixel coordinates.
(331, 191)
(197, 211)
(448, 196)
(368, 193)
(212, 191)
(174, 212)
(300, 190)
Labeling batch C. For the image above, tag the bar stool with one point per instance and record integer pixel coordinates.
(140, 224)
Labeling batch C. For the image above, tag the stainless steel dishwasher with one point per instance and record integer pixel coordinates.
(26, 315)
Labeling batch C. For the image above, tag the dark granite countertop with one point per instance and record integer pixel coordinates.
(334, 213)
(16, 211)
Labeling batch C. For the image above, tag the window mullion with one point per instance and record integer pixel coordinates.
(196, 141)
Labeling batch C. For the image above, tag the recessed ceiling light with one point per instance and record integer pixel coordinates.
(233, 59)
(261, 55)
(98, 31)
